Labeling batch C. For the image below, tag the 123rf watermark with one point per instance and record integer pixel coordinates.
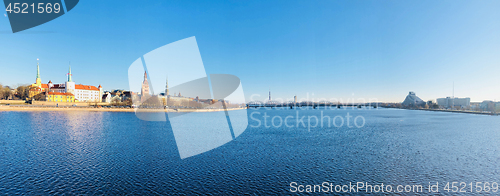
(365, 187)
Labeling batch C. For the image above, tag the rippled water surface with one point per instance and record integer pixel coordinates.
(116, 153)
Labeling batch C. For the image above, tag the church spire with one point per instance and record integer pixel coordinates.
(166, 87)
(145, 88)
(37, 69)
(38, 80)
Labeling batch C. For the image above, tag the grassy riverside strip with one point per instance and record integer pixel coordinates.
(92, 109)
(461, 111)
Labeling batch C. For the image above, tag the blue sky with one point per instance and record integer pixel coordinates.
(332, 49)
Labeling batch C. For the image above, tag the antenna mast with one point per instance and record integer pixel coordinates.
(453, 96)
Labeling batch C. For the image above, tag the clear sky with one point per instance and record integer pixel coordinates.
(332, 49)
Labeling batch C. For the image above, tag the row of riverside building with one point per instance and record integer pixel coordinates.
(412, 100)
(177, 100)
(68, 91)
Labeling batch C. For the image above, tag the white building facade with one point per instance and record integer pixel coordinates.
(449, 102)
(82, 93)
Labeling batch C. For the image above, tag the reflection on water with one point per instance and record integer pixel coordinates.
(115, 153)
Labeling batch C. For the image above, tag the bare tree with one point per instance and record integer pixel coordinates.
(23, 92)
(5, 92)
(1, 92)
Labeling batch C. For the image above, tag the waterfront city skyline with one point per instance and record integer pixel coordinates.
(281, 97)
(340, 50)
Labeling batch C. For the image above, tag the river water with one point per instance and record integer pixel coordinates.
(116, 153)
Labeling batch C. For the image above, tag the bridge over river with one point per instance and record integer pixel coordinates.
(310, 104)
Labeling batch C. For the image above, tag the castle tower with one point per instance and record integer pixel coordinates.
(101, 93)
(69, 86)
(69, 74)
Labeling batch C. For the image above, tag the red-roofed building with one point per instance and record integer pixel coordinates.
(88, 93)
(68, 91)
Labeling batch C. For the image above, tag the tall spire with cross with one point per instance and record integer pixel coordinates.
(38, 79)
(37, 69)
